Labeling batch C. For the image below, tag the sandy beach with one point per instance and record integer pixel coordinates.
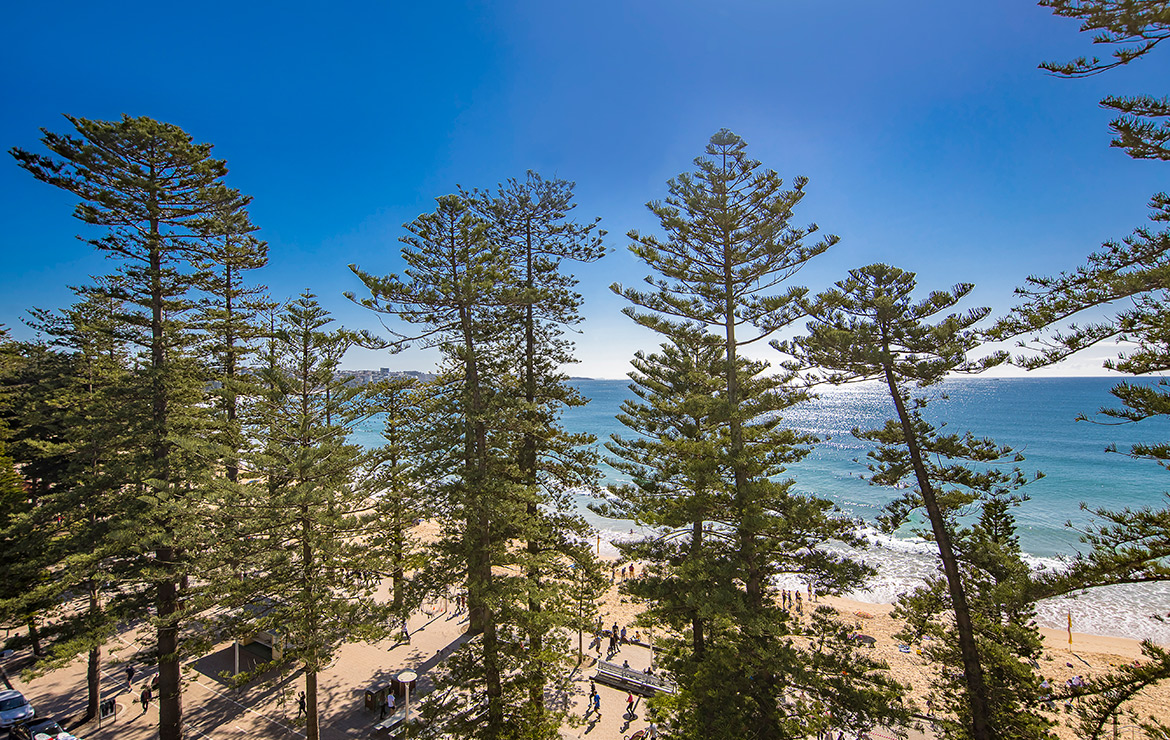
(1089, 655)
(267, 709)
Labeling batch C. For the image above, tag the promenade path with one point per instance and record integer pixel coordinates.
(268, 708)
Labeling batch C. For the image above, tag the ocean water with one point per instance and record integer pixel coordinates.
(1034, 416)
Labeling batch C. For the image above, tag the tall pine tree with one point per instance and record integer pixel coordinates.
(81, 518)
(313, 569)
(147, 190)
(452, 289)
(869, 327)
(729, 244)
(531, 221)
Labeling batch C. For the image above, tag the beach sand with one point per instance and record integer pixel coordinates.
(1089, 656)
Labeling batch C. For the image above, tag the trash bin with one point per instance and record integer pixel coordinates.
(398, 689)
(376, 697)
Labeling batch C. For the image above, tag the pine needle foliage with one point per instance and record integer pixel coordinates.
(312, 566)
(1118, 294)
(870, 327)
(708, 467)
(1133, 28)
(146, 192)
(228, 318)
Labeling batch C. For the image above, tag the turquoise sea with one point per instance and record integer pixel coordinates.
(1036, 416)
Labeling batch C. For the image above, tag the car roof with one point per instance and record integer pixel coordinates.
(10, 693)
(40, 722)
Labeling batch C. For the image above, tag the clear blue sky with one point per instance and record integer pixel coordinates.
(930, 138)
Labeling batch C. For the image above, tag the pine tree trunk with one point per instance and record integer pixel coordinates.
(491, 658)
(765, 719)
(312, 719)
(491, 674)
(308, 589)
(483, 546)
(93, 675)
(698, 643)
(232, 463)
(170, 699)
(398, 574)
(528, 476)
(972, 667)
(397, 546)
(170, 696)
(34, 637)
(479, 566)
(705, 713)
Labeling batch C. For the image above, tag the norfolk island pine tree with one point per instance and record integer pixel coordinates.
(729, 244)
(148, 190)
(868, 327)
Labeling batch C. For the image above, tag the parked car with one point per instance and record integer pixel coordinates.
(14, 708)
(41, 729)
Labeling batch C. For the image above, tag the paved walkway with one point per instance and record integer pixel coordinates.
(267, 708)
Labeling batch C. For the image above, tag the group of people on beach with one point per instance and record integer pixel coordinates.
(627, 571)
(791, 601)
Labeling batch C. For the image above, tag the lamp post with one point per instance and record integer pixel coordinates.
(405, 678)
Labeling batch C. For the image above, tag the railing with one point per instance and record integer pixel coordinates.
(637, 678)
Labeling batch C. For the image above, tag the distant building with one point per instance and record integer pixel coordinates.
(365, 377)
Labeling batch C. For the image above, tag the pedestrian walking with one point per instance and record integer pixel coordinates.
(629, 705)
(597, 704)
(129, 676)
(301, 705)
(145, 698)
(388, 706)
